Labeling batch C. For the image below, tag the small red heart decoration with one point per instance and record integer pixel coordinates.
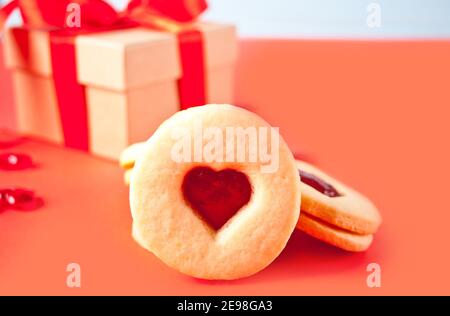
(216, 195)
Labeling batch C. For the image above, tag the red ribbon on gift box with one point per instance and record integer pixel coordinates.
(174, 16)
(6, 11)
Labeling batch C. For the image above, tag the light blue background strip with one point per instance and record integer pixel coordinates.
(330, 18)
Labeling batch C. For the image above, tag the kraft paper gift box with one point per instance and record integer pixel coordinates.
(130, 80)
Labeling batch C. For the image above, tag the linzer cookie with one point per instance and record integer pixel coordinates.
(128, 159)
(202, 212)
(333, 235)
(335, 213)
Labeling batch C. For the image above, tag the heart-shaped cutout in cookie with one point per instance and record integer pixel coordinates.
(216, 195)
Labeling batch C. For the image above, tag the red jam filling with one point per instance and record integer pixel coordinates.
(13, 161)
(216, 195)
(318, 184)
(19, 199)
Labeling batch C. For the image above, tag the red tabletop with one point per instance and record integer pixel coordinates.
(374, 114)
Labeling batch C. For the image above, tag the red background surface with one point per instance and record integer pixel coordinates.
(7, 116)
(374, 114)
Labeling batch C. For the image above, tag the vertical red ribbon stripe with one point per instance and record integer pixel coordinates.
(192, 84)
(6, 11)
(70, 94)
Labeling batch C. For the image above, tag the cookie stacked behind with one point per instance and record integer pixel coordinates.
(335, 213)
(128, 159)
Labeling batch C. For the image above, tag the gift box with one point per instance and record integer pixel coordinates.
(123, 83)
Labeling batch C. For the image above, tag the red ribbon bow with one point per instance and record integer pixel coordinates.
(98, 13)
(98, 16)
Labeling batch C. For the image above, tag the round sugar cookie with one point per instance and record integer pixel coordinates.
(333, 235)
(338, 204)
(183, 208)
